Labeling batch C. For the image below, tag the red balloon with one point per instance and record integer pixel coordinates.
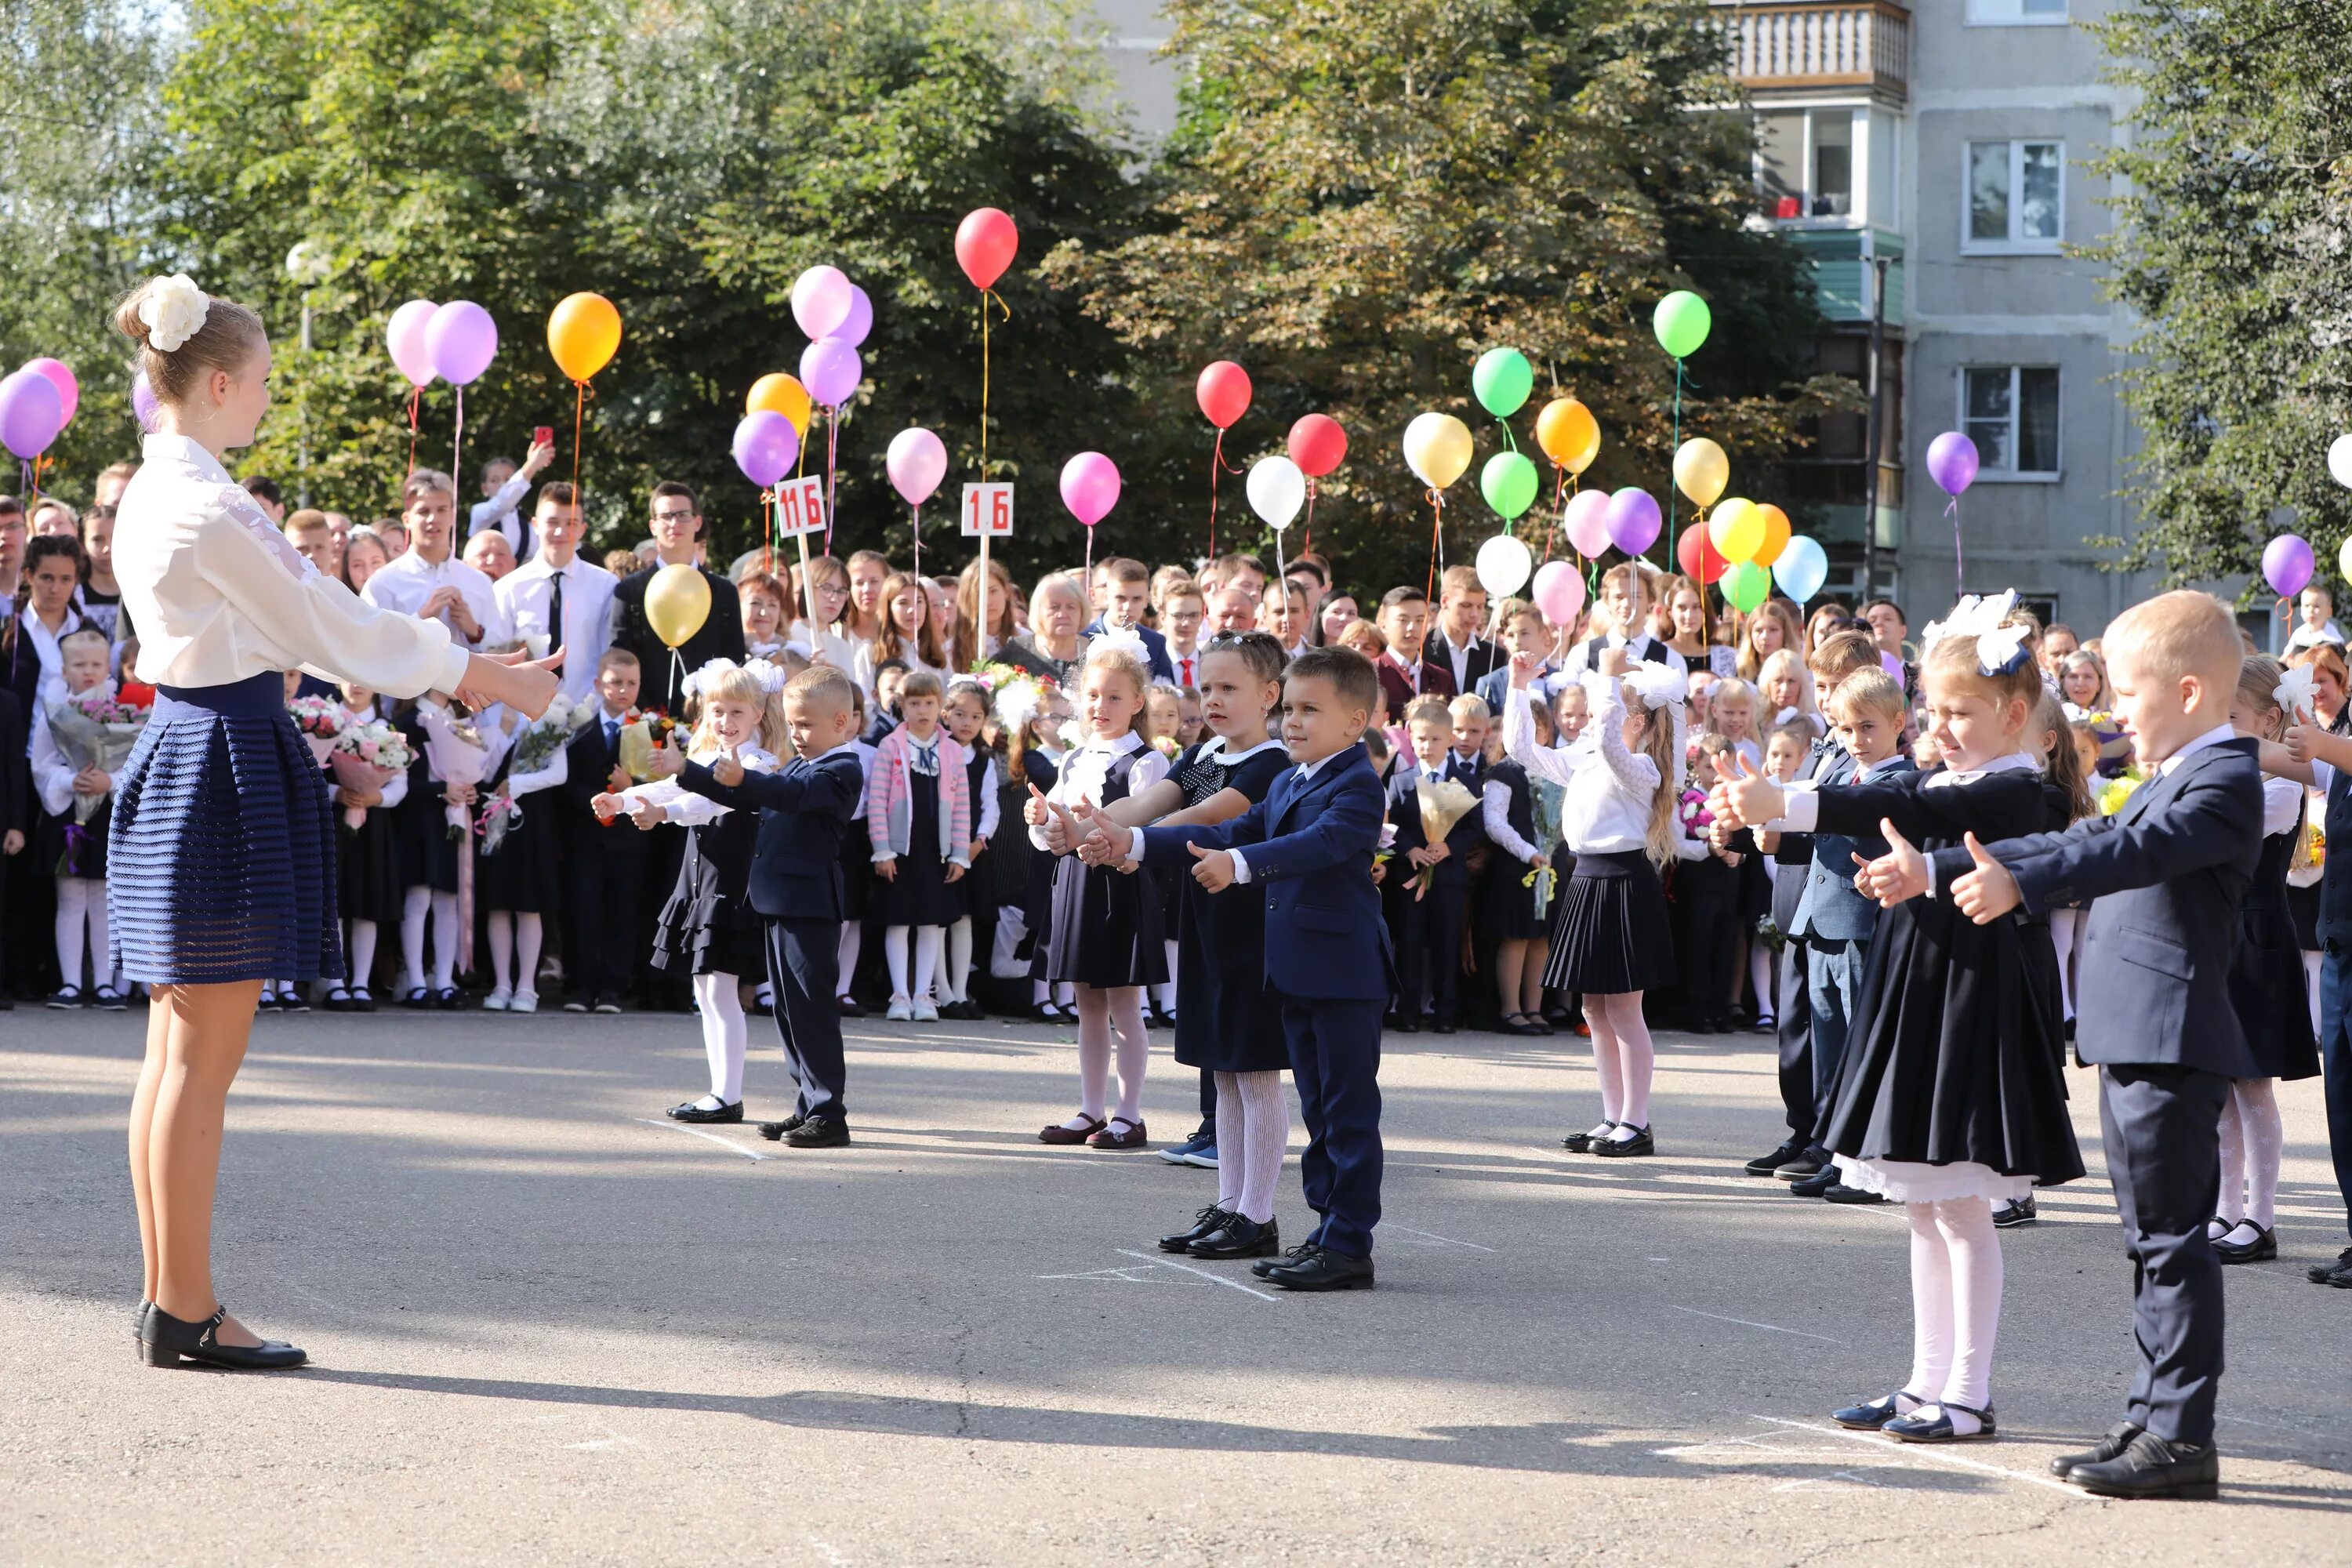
(1701, 561)
(1318, 445)
(984, 245)
(1224, 393)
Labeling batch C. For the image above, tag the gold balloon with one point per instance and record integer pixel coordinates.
(1776, 534)
(584, 333)
(1437, 447)
(1569, 434)
(677, 601)
(1701, 470)
(780, 393)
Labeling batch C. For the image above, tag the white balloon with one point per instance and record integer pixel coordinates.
(1276, 490)
(2339, 460)
(1504, 565)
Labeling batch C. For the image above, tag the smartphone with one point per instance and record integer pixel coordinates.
(542, 436)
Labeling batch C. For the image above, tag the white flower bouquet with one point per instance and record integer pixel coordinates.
(367, 756)
(96, 729)
(460, 755)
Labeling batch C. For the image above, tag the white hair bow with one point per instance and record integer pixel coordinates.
(1017, 701)
(771, 677)
(2295, 693)
(702, 679)
(1659, 685)
(1125, 638)
(2001, 649)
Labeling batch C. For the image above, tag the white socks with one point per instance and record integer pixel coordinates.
(1759, 980)
(82, 901)
(1955, 1280)
(723, 1036)
(2311, 988)
(2251, 1138)
(1098, 1013)
(1605, 1066)
(358, 953)
(1253, 1130)
(444, 906)
(1622, 1055)
(1165, 994)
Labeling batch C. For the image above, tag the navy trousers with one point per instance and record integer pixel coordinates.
(2335, 1063)
(1335, 1060)
(1426, 935)
(1795, 1019)
(2164, 1156)
(1833, 976)
(803, 962)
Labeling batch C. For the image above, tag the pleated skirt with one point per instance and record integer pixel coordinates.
(1610, 932)
(222, 857)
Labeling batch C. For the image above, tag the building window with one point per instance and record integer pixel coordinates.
(2016, 196)
(2011, 412)
(1832, 181)
(1998, 13)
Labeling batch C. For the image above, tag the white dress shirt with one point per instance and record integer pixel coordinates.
(218, 594)
(527, 594)
(1606, 808)
(1578, 662)
(828, 647)
(503, 511)
(404, 584)
(1085, 771)
(688, 809)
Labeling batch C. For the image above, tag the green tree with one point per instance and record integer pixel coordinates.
(2230, 245)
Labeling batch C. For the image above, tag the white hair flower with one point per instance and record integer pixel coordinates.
(2295, 693)
(1124, 638)
(174, 308)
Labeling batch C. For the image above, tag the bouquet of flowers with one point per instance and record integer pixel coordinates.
(549, 735)
(1166, 746)
(458, 753)
(321, 721)
(1769, 935)
(1441, 806)
(367, 756)
(644, 732)
(2110, 797)
(500, 813)
(97, 729)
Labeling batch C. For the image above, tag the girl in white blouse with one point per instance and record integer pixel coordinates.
(222, 848)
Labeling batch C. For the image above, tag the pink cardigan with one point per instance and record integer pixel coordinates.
(889, 804)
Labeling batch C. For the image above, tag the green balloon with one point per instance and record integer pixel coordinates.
(1682, 323)
(1746, 584)
(1503, 379)
(1509, 483)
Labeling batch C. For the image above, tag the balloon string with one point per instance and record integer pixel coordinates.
(1216, 461)
(1671, 531)
(832, 436)
(456, 446)
(1959, 566)
(1309, 548)
(985, 296)
(1436, 532)
(915, 526)
(415, 394)
(579, 417)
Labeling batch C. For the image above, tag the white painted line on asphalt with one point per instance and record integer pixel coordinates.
(727, 1143)
(1218, 1279)
(1745, 1323)
(1435, 1237)
(1934, 1455)
(1130, 1274)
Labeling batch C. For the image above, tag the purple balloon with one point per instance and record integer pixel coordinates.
(31, 413)
(1634, 521)
(142, 404)
(765, 446)
(858, 322)
(1952, 462)
(831, 371)
(463, 339)
(2286, 562)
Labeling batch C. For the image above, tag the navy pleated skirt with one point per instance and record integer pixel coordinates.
(222, 863)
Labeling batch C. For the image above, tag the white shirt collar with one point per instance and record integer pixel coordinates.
(2015, 762)
(180, 449)
(1130, 742)
(1216, 747)
(2213, 737)
(1309, 770)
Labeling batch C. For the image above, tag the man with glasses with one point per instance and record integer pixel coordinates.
(676, 522)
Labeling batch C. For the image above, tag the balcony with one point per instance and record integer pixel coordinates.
(1798, 46)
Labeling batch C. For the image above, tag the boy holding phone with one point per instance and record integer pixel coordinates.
(504, 486)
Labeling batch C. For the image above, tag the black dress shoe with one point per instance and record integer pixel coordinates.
(2328, 1273)
(690, 1111)
(1766, 1164)
(1442, 1025)
(819, 1131)
(1208, 1222)
(165, 1340)
(772, 1131)
(1581, 1143)
(1298, 1253)
(2150, 1467)
(1404, 1025)
(2119, 1438)
(849, 1006)
(2261, 1249)
(1615, 1148)
(1875, 1414)
(1816, 1186)
(1323, 1269)
(1840, 1193)
(1240, 1236)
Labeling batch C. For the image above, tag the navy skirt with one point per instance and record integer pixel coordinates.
(222, 858)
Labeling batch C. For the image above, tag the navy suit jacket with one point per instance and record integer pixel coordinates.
(1310, 848)
(1404, 794)
(588, 768)
(1155, 650)
(1831, 908)
(803, 809)
(2168, 872)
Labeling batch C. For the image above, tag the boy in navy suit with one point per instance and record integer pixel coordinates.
(1309, 844)
(2167, 871)
(803, 809)
(1429, 907)
(604, 870)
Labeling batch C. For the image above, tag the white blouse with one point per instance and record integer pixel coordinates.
(218, 594)
(1610, 788)
(1085, 771)
(685, 807)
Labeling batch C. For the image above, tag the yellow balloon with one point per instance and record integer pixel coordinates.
(1569, 434)
(584, 333)
(677, 601)
(1437, 447)
(784, 395)
(1701, 470)
(1776, 534)
(1737, 529)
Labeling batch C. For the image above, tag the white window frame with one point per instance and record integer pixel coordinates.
(1988, 473)
(2013, 245)
(1986, 14)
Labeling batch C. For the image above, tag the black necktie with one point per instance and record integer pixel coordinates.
(555, 610)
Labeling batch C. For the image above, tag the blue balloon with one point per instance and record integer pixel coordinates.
(1800, 569)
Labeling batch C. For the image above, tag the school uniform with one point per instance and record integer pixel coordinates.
(919, 816)
(1507, 815)
(522, 875)
(1043, 769)
(1425, 930)
(2266, 983)
(1226, 1019)
(1703, 892)
(425, 848)
(15, 795)
(984, 788)
(1401, 682)
(604, 872)
(708, 926)
(1307, 848)
(665, 672)
(2167, 874)
(1155, 650)
(1585, 657)
(1467, 665)
(1804, 1087)
(367, 870)
(795, 886)
(1106, 926)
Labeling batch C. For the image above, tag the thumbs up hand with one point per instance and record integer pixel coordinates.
(1212, 869)
(1989, 892)
(1748, 798)
(1899, 874)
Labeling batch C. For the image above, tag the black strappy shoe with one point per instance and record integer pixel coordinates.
(165, 1340)
(1912, 1428)
(1877, 1412)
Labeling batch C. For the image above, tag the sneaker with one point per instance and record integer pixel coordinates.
(901, 1011)
(1766, 1164)
(1206, 1156)
(524, 1002)
(575, 1003)
(924, 1012)
(1175, 1155)
(608, 1003)
(2017, 1212)
(497, 1001)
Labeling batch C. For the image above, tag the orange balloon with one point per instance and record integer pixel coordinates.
(584, 333)
(1776, 535)
(780, 393)
(1569, 434)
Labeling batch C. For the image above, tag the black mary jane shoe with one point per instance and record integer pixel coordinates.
(692, 1112)
(339, 1000)
(1323, 1269)
(417, 998)
(819, 1132)
(1581, 1143)
(2119, 1438)
(1919, 1427)
(1615, 1148)
(1240, 1236)
(1208, 1222)
(1521, 1023)
(362, 1000)
(849, 1006)
(165, 1341)
(1875, 1414)
(2261, 1249)
(1298, 1253)
(772, 1131)
(447, 999)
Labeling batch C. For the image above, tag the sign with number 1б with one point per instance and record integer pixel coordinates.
(987, 511)
(800, 507)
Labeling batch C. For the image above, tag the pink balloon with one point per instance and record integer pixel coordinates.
(821, 301)
(1560, 591)
(918, 462)
(60, 375)
(830, 369)
(1090, 487)
(1587, 522)
(463, 339)
(404, 336)
(142, 404)
(859, 321)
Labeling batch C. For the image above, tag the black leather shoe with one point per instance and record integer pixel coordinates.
(1581, 1143)
(1799, 1165)
(1442, 1025)
(1766, 1164)
(1208, 1222)
(849, 1006)
(772, 1131)
(2327, 1273)
(819, 1131)
(1323, 1269)
(2119, 1438)
(1404, 1025)
(1240, 1236)
(1615, 1148)
(2261, 1249)
(165, 1340)
(690, 1111)
(1875, 1414)
(1816, 1186)
(1840, 1193)
(2150, 1467)
(1298, 1253)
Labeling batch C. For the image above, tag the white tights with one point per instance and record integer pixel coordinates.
(1253, 1130)
(852, 938)
(2311, 986)
(1623, 1057)
(955, 982)
(507, 932)
(2064, 925)
(1099, 1012)
(1956, 1278)
(927, 959)
(723, 1036)
(444, 937)
(358, 953)
(1165, 994)
(1760, 978)
(82, 901)
(2251, 1141)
